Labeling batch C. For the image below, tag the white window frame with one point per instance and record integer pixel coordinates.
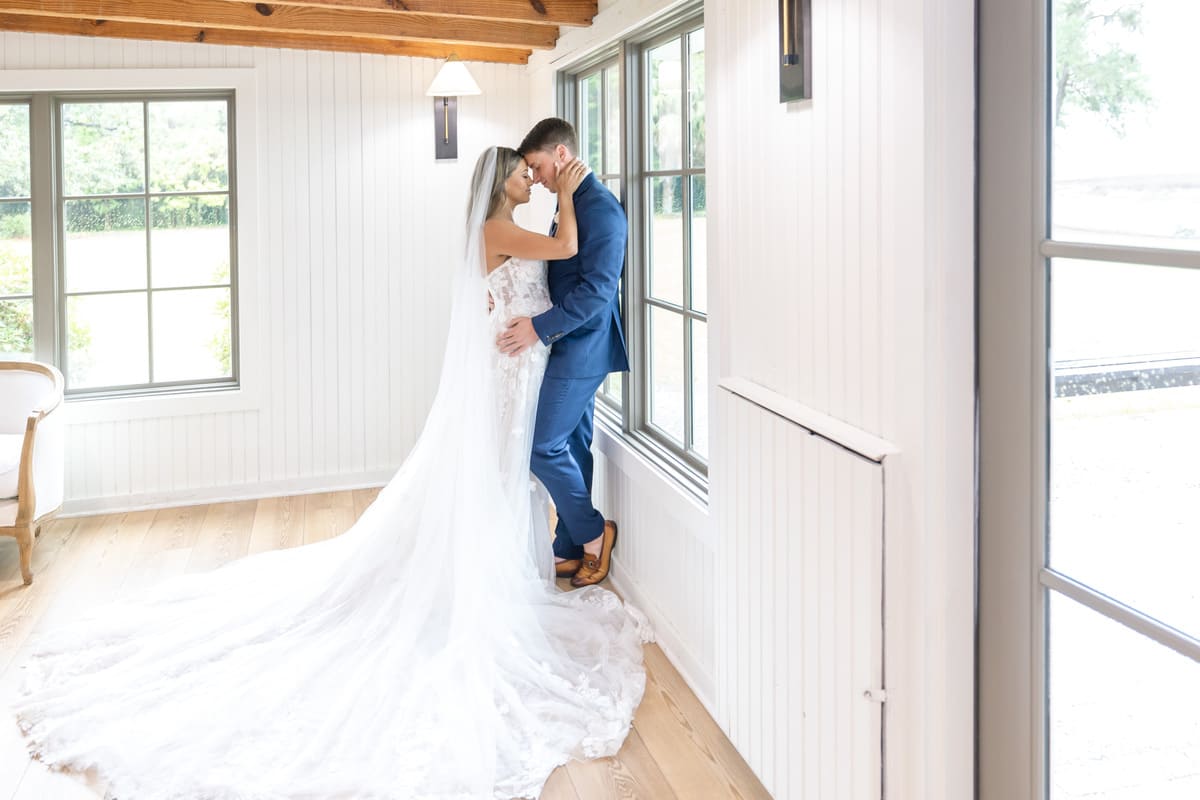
(630, 422)
(1015, 580)
(242, 82)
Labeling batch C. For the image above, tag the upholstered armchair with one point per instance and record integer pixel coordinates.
(32, 452)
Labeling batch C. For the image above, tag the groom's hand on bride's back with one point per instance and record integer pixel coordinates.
(518, 336)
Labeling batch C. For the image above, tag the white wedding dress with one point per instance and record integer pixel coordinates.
(425, 653)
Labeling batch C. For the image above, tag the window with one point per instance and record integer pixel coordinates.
(139, 202)
(640, 117)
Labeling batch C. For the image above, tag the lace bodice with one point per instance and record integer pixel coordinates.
(519, 288)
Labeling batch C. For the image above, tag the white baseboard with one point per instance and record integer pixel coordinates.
(701, 681)
(223, 494)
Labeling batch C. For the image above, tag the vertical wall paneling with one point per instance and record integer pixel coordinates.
(800, 562)
(354, 225)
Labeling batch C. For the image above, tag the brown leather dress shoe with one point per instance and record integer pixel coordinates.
(595, 568)
(566, 569)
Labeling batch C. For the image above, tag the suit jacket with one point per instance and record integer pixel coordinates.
(584, 325)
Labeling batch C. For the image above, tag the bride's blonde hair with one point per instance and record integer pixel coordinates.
(507, 160)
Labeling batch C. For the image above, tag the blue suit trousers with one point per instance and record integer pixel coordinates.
(562, 459)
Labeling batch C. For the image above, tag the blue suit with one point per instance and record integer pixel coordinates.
(584, 329)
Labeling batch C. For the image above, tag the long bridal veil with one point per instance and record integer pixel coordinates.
(422, 654)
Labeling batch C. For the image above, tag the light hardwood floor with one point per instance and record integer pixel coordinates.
(675, 749)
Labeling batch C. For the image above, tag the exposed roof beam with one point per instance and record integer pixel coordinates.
(299, 41)
(277, 19)
(573, 13)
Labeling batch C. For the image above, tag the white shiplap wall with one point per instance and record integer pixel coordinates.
(800, 604)
(354, 225)
(855, 209)
(840, 252)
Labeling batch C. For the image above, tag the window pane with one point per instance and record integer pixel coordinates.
(696, 96)
(612, 121)
(699, 244)
(189, 146)
(14, 150)
(1125, 420)
(613, 387)
(1124, 712)
(16, 250)
(192, 335)
(189, 241)
(666, 372)
(666, 239)
(16, 329)
(589, 120)
(614, 186)
(103, 148)
(1126, 169)
(107, 340)
(664, 86)
(106, 244)
(700, 387)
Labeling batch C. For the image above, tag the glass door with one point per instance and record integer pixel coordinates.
(1120, 568)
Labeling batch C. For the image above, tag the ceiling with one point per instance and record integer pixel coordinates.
(502, 31)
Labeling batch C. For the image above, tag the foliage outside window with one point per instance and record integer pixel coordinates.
(16, 255)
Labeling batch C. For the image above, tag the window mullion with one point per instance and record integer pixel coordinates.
(632, 148)
(149, 266)
(685, 204)
(42, 191)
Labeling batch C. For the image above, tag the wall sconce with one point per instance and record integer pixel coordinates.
(452, 81)
(795, 50)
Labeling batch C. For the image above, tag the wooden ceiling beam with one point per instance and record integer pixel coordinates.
(285, 19)
(568, 13)
(297, 41)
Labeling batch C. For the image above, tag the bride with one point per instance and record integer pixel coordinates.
(425, 653)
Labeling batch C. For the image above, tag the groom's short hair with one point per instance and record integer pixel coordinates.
(548, 134)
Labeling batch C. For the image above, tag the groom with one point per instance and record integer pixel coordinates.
(584, 325)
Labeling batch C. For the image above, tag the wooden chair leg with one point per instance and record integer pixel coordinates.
(25, 543)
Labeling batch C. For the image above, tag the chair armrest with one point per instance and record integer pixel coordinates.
(57, 377)
(42, 475)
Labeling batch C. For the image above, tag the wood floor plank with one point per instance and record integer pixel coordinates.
(632, 774)
(326, 515)
(690, 772)
(224, 535)
(126, 535)
(559, 787)
(278, 524)
(700, 725)
(174, 528)
(364, 498)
